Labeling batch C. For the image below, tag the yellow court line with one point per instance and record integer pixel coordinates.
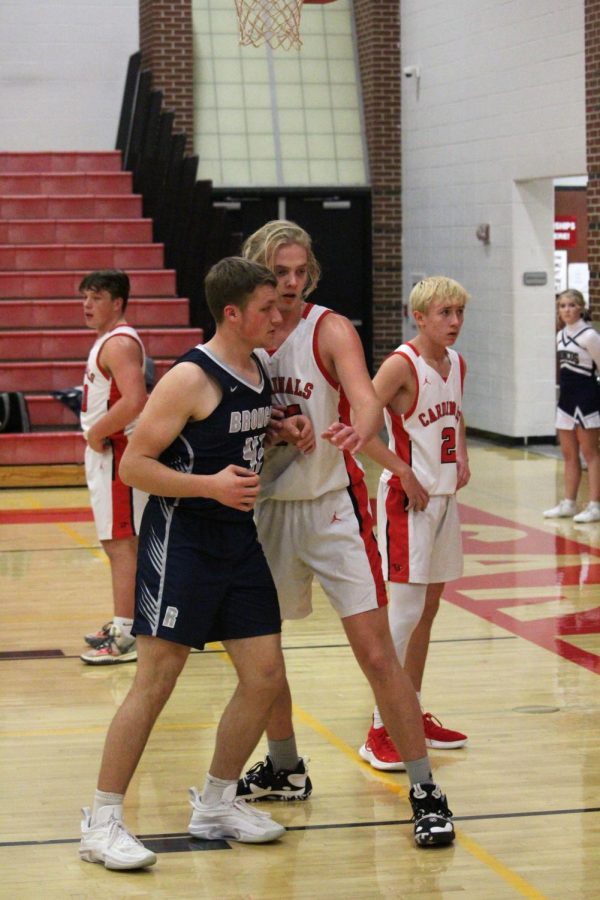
(467, 843)
(73, 534)
(512, 878)
(82, 541)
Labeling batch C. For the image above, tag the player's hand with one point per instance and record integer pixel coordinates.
(237, 487)
(99, 444)
(344, 437)
(299, 430)
(274, 428)
(416, 495)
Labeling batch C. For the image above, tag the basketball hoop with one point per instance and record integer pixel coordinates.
(274, 22)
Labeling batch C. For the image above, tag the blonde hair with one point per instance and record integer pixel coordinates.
(262, 247)
(572, 294)
(436, 286)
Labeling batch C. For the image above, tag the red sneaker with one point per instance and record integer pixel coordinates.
(379, 750)
(440, 738)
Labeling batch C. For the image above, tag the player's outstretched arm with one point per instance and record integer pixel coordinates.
(342, 353)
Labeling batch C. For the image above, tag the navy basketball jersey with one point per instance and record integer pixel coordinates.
(233, 434)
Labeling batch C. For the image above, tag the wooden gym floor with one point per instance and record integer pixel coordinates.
(513, 662)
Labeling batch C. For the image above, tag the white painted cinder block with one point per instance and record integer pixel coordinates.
(497, 113)
(62, 72)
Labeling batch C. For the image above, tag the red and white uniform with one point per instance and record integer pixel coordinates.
(314, 516)
(424, 547)
(117, 508)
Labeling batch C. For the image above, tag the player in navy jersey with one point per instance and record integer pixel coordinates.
(202, 576)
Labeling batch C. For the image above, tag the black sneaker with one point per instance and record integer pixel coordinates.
(432, 818)
(262, 782)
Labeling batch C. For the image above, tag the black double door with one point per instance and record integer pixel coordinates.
(339, 222)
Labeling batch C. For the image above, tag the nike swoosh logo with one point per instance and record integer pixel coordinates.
(232, 389)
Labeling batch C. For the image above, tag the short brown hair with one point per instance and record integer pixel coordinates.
(115, 281)
(231, 281)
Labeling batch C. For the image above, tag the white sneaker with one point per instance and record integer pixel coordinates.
(111, 843)
(590, 514)
(231, 819)
(564, 509)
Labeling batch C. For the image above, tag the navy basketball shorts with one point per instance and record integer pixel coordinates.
(201, 579)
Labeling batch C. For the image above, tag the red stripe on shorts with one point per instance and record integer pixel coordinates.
(397, 536)
(122, 496)
(360, 500)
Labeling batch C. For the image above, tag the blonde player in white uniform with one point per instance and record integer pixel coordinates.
(313, 519)
(421, 385)
(114, 393)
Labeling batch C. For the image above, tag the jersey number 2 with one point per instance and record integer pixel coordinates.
(449, 445)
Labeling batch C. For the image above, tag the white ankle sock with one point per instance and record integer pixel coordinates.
(377, 720)
(107, 804)
(212, 792)
(124, 624)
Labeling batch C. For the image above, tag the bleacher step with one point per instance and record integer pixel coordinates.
(44, 448)
(76, 231)
(124, 206)
(46, 314)
(76, 343)
(153, 283)
(65, 183)
(60, 161)
(53, 376)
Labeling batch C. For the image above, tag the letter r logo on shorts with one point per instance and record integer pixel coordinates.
(170, 618)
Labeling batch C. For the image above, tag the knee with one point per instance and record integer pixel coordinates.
(155, 683)
(121, 549)
(378, 663)
(269, 677)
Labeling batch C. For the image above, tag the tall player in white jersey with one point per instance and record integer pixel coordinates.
(313, 519)
(421, 385)
(114, 393)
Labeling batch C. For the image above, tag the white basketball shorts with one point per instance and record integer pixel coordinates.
(422, 547)
(117, 508)
(330, 538)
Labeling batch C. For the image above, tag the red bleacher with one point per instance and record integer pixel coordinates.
(62, 215)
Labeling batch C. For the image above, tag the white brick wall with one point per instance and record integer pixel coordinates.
(62, 72)
(498, 112)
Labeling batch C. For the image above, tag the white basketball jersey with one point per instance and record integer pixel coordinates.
(100, 390)
(426, 436)
(301, 383)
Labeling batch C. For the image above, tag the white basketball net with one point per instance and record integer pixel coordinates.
(275, 22)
